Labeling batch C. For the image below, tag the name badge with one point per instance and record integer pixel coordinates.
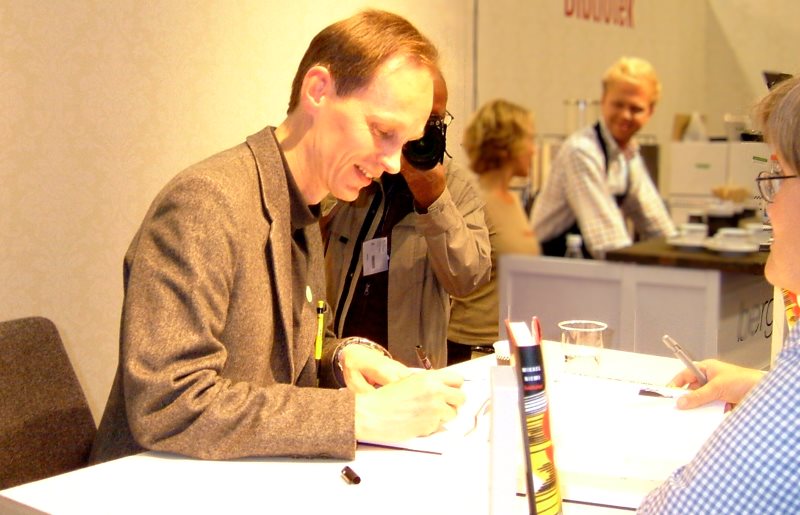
(375, 255)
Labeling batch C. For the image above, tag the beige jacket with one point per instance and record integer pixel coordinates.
(475, 319)
(443, 252)
(209, 365)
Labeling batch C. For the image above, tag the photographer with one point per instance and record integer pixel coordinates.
(395, 254)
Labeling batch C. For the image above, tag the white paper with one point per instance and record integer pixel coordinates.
(471, 421)
(605, 427)
(375, 254)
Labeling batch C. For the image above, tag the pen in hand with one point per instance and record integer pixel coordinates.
(681, 354)
(423, 358)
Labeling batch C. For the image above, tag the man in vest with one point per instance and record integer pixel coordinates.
(599, 180)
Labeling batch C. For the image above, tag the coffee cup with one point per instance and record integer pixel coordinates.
(720, 215)
(695, 232)
(732, 236)
(758, 232)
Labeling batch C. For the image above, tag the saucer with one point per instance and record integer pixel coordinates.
(732, 248)
(686, 243)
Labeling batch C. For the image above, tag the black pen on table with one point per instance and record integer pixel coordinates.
(682, 355)
(423, 358)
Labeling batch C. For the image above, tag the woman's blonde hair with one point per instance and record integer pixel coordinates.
(778, 114)
(495, 134)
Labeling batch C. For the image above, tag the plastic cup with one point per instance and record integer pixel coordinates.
(502, 352)
(582, 342)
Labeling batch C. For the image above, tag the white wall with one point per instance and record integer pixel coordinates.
(744, 38)
(103, 102)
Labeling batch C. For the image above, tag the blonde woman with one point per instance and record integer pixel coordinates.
(499, 144)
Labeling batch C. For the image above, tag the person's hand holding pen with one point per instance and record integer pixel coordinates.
(417, 405)
(409, 403)
(423, 358)
(726, 382)
(364, 368)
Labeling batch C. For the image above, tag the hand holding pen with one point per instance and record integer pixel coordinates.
(726, 382)
(682, 355)
(423, 358)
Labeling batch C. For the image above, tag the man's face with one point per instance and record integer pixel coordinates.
(783, 266)
(360, 136)
(626, 107)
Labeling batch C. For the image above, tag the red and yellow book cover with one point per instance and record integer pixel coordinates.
(544, 494)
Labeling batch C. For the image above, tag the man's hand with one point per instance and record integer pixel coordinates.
(414, 406)
(364, 368)
(726, 382)
(426, 186)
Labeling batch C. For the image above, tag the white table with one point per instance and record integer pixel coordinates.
(393, 481)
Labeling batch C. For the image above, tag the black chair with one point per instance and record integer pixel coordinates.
(46, 426)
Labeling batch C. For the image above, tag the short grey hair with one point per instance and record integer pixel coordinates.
(778, 114)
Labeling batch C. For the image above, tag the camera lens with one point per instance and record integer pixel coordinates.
(429, 150)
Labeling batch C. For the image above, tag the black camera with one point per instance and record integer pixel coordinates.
(429, 150)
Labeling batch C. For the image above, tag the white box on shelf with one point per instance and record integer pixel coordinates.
(697, 167)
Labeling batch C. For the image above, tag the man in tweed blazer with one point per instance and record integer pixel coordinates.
(222, 278)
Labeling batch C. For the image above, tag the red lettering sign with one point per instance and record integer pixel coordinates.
(609, 12)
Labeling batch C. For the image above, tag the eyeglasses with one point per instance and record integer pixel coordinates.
(769, 183)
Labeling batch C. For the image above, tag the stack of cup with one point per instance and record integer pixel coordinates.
(719, 215)
(502, 352)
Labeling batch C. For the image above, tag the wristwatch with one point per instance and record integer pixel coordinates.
(338, 370)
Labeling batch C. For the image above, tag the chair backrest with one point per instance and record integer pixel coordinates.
(46, 426)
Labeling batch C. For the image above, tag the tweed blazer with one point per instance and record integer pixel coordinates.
(209, 365)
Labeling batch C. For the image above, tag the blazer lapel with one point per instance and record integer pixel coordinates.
(275, 199)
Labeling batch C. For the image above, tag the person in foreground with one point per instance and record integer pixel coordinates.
(499, 143)
(749, 464)
(599, 180)
(217, 340)
(425, 227)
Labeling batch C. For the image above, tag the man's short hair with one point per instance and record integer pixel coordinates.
(354, 48)
(633, 69)
(495, 134)
(779, 116)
